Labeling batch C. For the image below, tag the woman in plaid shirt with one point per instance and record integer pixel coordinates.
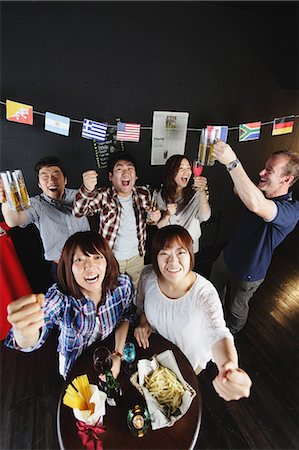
(87, 304)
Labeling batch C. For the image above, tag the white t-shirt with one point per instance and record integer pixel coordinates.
(193, 322)
(126, 242)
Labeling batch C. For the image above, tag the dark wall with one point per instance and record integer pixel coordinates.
(224, 63)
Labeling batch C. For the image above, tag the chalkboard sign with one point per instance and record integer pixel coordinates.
(103, 150)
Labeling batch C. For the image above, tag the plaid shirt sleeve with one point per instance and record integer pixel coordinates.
(52, 310)
(87, 203)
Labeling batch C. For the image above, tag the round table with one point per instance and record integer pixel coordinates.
(182, 435)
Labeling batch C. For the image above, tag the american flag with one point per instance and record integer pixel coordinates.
(128, 132)
(94, 130)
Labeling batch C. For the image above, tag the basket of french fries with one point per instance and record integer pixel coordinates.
(168, 396)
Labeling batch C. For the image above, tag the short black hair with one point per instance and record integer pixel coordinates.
(48, 161)
(117, 156)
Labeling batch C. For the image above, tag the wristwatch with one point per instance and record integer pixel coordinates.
(232, 165)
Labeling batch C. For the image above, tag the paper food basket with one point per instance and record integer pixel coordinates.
(158, 417)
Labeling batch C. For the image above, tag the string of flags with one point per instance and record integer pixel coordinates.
(55, 123)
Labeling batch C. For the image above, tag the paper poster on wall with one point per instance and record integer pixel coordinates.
(169, 135)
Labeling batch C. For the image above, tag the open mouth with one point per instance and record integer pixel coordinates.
(184, 180)
(262, 181)
(125, 183)
(91, 279)
(53, 188)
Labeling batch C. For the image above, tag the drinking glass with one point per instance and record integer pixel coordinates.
(129, 356)
(102, 363)
(151, 207)
(15, 190)
(197, 168)
(102, 360)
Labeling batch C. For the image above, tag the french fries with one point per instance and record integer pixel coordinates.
(163, 384)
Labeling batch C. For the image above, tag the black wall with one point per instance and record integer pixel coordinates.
(224, 63)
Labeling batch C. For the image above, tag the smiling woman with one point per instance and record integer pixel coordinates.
(183, 198)
(184, 308)
(87, 304)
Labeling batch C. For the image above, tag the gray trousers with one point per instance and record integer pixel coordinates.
(234, 294)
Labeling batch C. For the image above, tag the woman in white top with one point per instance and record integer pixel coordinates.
(183, 198)
(185, 308)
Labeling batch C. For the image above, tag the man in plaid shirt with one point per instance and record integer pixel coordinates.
(122, 210)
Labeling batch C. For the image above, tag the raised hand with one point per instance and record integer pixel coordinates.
(26, 316)
(223, 153)
(90, 179)
(232, 383)
(155, 215)
(200, 183)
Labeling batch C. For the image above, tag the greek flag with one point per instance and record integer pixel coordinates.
(94, 130)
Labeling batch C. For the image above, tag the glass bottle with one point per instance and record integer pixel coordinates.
(102, 362)
(112, 389)
(138, 420)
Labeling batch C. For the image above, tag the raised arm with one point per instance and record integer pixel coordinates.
(87, 194)
(250, 195)
(12, 218)
(231, 383)
(26, 316)
(200, 185)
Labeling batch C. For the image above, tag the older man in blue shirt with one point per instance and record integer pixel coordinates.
(271, 215)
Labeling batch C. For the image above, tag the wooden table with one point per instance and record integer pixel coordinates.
(182, 435)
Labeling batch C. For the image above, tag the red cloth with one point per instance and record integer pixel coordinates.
(13, 281)
(90, 435)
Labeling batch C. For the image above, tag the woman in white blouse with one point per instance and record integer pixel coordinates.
(184, 307)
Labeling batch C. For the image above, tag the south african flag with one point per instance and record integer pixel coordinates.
(249, 131)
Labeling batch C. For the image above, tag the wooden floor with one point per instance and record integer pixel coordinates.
(268, 349)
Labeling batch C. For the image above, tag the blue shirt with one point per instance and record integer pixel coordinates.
(55, 221)
(76, 319)
(249, 252)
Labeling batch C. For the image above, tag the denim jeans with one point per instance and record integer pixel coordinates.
(234, 294)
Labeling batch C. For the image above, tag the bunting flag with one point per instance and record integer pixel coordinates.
(94, 130)
(57, 124)
(22, 113)
(19, 112)
(249, 131)
(219, 132)
(128, 132)
(283, 125)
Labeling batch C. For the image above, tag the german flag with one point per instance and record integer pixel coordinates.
(283, 125)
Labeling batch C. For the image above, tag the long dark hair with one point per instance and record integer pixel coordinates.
(169, 188)
(167, 236)
(89, 242)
